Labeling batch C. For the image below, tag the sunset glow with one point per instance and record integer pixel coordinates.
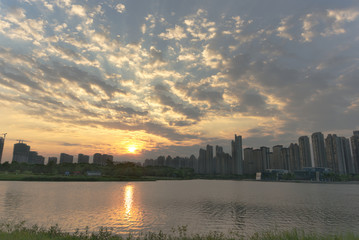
(137, 80)
(131, 149)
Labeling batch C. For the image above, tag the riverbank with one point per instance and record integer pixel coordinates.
(19, 232)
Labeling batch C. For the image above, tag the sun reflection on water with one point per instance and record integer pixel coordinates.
(128, 201)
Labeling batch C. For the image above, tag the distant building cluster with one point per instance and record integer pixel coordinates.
(339, 154)
(207, 163)
(22, 154)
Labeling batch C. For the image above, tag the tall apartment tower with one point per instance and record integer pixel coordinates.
(284, 156)
(294, 157)
(320, 157)
(335, 155)
(2, 143)
(348, 160)
(210, 166)
(237, 156)
(277, 161)
(66, 158)
(202, 161)
(249, 165)
(304, 151)
(81, 158)
(21, 152)
(265, 158)
(355, 148)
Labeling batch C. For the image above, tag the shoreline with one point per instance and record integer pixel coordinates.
(63, 178)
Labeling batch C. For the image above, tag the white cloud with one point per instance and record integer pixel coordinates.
(78, 10)
(120, 8)
(308, 23)
(340, 18)
(283, 29)
(174, 33)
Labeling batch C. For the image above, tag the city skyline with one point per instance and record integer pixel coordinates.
(139, 79)
(338, 153)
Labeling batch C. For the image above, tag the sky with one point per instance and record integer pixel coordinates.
(143, 78)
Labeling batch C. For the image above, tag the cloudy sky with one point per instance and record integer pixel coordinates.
(167, 77)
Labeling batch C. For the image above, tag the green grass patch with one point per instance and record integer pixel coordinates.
(11, 231)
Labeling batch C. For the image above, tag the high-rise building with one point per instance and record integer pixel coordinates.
(52, 159)
(355, 148)
(335, 155)
(81, 158)
(348, 160)
(2, 143)
(284, 155)
(320, 157)
(33, 157)
(249, 165)
(258, 159)
(294, 157)
(304, 151)
(66, 158)
(265, 158)
(237, 156)
(209, 160)
(276, 162)
(202, 161)
(21, 152)
(101, 159)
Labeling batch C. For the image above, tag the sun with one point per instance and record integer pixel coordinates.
(131, 149)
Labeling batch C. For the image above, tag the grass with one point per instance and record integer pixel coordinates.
(11, 231)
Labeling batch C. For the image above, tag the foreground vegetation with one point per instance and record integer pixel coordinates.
(20, 232)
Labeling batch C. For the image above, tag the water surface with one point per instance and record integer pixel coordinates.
(202, 205)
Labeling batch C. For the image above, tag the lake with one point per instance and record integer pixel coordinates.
(202, 205)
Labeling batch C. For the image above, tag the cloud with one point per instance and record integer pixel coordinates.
(283, 29)
(165, 97)
(78, 10)
(176, 33)
(120, 8)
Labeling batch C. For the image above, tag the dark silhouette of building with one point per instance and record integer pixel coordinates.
(101, 159)
(355, 148)
(249, 164)
(202, 161)
(348, 159)
(284, 156)
(66, 158)
(35, 158)
(81, 158)
(304, 151)
(209, 160)
(2, 143)
(52, 159)
(276, 162)
(319, 153)
(21, 152)
(237, 155)
(294, 157)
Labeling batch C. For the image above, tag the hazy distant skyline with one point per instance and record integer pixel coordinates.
(168, 77)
